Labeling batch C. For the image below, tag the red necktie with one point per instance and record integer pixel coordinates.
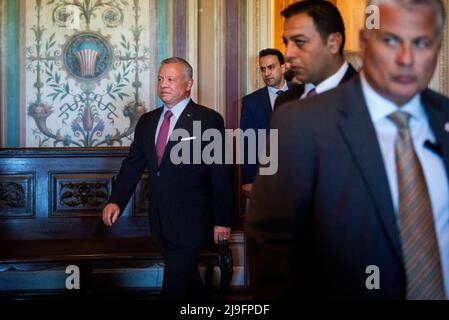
(162, 136)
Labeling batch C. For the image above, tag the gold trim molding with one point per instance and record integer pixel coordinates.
(259, 28)
(440, 81)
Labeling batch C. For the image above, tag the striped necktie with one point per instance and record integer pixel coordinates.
(419, 244)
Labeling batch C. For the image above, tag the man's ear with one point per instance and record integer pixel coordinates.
(362, 40)
(334, 41)
(189, 84)
(283, 68)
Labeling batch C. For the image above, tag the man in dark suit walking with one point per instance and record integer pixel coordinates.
(314, 38)
(359, 207)
(258, 106)
(188, 202)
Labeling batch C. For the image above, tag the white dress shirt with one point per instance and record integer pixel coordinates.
(176, 110)
(330, 83)
(433, 166)
(272, 92)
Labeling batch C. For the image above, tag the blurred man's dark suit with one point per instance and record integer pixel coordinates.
(255, 114)
(296, 92)
(315, 226)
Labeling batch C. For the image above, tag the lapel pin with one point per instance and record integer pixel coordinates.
(188, 115)
(446, 127)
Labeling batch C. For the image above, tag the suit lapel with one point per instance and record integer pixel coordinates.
(360, 135)
(438, 120)
(184, 122)
(351, 72)
(267, 102)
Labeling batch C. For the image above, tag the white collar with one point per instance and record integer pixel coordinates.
(274, 90)
(330, 83)
(379, 107)
(178, 108)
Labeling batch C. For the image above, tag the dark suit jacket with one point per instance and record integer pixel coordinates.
(315, 226)
(255, 114)
(185, 199)
(296, 92)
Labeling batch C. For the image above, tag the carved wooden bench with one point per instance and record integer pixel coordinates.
(51, 197)
(89, 255)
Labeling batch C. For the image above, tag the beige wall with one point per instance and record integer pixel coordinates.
(206, 50)
(277, 6)
(353, 16)
(259, 35)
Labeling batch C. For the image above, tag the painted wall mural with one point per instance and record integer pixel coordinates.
(87, 71)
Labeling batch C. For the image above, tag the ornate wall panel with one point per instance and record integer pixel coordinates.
(80, 194)
(62, 192)
(87, 71)
(17, 195)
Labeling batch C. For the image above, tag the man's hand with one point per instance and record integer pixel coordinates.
(110, 214)
(221, 233)
(247, 188)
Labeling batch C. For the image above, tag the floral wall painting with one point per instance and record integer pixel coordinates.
(87, 71)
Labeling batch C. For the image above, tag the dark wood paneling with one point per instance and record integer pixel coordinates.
(70, 187)
(17, 195)
(79, 194)
(66, 190)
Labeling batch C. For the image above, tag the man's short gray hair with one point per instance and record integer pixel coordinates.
(437, 4)
(188, 70)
